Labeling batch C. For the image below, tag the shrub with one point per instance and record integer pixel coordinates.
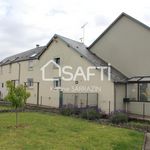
(93, 114)
(76, 111)
(144, 126)
(90, 114)
(104, 115)
(83, 114)
(118, 117)
(66, 111)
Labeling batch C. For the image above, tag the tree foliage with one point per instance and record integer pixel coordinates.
(17, 95)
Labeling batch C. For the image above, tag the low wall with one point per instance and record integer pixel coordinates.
(138, 108)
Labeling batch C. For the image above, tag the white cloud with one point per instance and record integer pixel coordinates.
(25, 23)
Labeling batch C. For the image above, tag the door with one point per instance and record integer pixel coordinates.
(60, 99)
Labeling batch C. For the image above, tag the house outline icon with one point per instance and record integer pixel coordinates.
(45, 66)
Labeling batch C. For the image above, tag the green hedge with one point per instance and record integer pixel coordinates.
(119, 117)
(86, 113)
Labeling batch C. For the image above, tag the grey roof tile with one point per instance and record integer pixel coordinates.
(94, 59)
(27, 55)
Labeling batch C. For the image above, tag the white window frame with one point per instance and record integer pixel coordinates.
(57, 83)
(30, 82)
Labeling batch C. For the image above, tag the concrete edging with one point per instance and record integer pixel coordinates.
(145, 138)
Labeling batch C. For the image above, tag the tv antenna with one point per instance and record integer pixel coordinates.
(83, 35)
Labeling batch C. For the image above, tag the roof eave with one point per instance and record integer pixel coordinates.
(4, 64)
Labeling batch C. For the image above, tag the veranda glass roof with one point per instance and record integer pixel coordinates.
(139, 79)
(134, 79)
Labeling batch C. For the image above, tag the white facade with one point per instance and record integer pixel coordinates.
(49, 95)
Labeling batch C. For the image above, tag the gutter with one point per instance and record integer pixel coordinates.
(19, 72)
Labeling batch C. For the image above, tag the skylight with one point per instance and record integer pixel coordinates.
(145, 79)
(33, 55)
(6, 61)
(14, 58)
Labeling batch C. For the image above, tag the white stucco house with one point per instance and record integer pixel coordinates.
(124, 44)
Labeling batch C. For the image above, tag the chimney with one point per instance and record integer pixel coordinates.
(37, 45)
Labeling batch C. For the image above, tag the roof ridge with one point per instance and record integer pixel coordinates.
(23, 52)
(69, 39)
(136, 20)
(21, 56)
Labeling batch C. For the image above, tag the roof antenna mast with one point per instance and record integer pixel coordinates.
(83, 35)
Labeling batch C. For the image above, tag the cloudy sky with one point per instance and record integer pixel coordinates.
(25, 23)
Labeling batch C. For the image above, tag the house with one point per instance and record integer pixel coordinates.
(124, 44)
(25, 68)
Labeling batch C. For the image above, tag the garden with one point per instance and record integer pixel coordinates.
(69, 129)
(37, 130)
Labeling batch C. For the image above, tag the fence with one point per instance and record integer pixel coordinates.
(80, 100)
(138, 109)
(4, 103)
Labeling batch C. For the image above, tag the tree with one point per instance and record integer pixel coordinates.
(17, 95)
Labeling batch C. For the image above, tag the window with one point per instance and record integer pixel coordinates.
(57, 83)
(30, 65)
(10, 66)
(144, 91)
(76, 82)
(138, 94)
(30, 82)
(132, 91)
(15, 82)
(57, 61)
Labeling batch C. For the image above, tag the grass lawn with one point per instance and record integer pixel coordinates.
(45, 131)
